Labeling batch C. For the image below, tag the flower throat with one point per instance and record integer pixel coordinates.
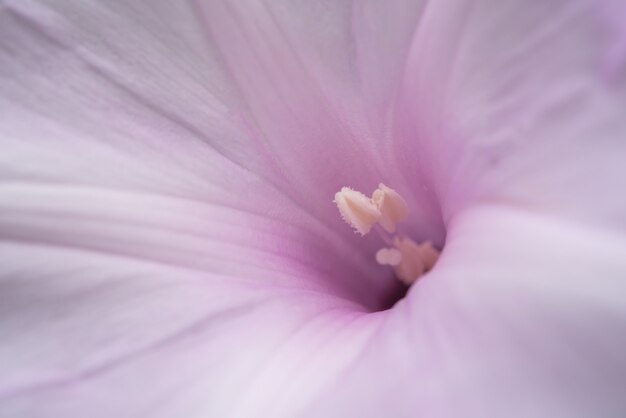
(382, 212)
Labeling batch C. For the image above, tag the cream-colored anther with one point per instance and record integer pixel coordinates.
(392, 207)
(429, 254)
(388, 257)
(412, 265)
(357, 209)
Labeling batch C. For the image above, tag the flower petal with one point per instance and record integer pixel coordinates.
(100, 335)
(523, 316)
(145, 234)
(136, 104)
(122, 192)
(522, 102)
(318, 81)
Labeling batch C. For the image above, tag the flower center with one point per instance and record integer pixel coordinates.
(382, 212)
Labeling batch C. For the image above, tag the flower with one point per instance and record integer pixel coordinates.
(169, 245)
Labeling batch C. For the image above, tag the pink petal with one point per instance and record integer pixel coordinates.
(102, 335)
(142, 260)
(97, 105)
(521, 103)
(524, 316)
(318, 81)
(170, 247)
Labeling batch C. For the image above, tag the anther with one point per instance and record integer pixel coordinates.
(357, 209)
(391, 205)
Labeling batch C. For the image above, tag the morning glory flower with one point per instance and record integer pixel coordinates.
(170, 238)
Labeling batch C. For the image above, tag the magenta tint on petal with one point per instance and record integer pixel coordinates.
(101, 335)
(510, 102)
(523, 316)
(86, 110)
(169, 245)
(305, 101)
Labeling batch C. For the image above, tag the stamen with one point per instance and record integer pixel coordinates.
(382, 212)
(357, 209)
(412, 266)
(392, 207)
(383, 235)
